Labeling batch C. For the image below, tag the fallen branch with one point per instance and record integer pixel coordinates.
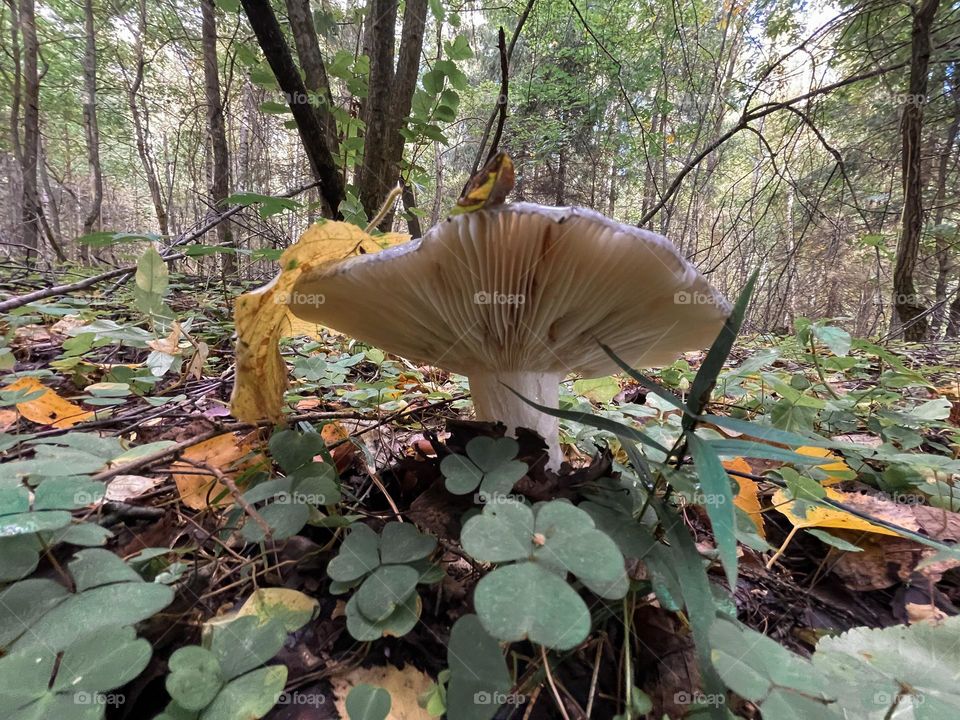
(58, 290)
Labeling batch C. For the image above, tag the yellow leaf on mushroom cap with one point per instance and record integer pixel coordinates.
(262, 317)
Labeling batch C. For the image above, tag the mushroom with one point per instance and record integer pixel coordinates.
(517, 297)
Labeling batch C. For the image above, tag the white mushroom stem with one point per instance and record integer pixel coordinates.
(492, 400)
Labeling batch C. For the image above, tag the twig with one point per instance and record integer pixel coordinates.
(238, 497)
(496, 110)
(553, 686)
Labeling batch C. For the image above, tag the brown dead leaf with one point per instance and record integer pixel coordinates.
(405, 686)
(7, 418)
(49, 408)
(231, 453)
(170, 345)
(195, 368)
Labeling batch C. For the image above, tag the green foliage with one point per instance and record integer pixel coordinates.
(366, 702)
(530, 598)
(385, 570)
(489, 465)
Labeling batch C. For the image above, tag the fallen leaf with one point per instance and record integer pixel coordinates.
(405, 686)
(747, 498)
(128, 487)
(819, 516)
(293, 606)
(7, 418)
(48, 408)
(170, 345)
(195, 368)
(231, 453)
(262, 317)
(837, 470)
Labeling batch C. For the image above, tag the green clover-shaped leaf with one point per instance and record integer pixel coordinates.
(489, 465)
(398, 624)
(195, 677)
(385, 590)
(529, 602)
(403, 543)
(358, 555)
(503, 532)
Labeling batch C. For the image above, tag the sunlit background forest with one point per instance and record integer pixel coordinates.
(764, 134)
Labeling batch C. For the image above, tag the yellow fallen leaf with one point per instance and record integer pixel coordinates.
(405, 686)
(291, 606)
(818, 516)
(837, 470)
(230, 453)
(48, 408)
(747, 498)
(262, 317)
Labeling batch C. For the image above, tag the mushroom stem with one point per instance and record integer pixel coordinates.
(492, 400)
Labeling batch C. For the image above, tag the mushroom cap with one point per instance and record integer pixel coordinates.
(520, 287)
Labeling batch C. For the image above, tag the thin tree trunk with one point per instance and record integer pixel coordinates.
(389, 98)
(945, 263)
(140, 129)
(220, 181)
(91, 128)
(907, 305)
(29, 215)
(312, 132)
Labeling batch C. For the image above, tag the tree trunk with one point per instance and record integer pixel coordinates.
(219, 181)
(907, 305)
(29, 214)
(389, 97)
(91, 128)
(309, 125)
(945, 262)
(139, 127)
(314, 71)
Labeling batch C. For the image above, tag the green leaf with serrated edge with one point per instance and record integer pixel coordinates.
(367, 702)
(697, 596)
(502, 532)
(359, 555)
(718, 497)
(195, 677)
(712, 364)
(528, 602)
(477, 671)
(385, 590)
(403, 543)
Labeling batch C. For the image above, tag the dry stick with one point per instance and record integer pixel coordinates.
(238, 497)
(553, 686)
(498, 110)
(504, 94)
(57, 290)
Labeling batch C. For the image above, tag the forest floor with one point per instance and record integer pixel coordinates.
(85, 372)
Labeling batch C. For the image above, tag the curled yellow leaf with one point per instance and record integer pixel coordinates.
(262, 317)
